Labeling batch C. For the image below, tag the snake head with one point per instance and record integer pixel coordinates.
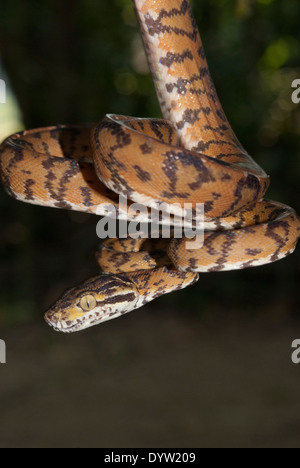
(96, 300)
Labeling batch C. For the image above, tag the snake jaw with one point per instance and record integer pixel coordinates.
(95, 301)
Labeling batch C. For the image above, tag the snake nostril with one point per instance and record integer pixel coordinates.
(53, 319)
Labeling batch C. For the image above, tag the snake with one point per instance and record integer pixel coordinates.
(190, 156)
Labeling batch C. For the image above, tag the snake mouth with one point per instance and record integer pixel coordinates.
(60, 323)
(59, 327)
(64, 324)
(69, 326)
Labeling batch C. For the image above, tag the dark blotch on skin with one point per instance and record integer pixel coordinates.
(144, 176)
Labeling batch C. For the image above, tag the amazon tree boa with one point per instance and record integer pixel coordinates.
(193, 156)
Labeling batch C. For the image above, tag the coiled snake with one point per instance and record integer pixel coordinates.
(191, 157)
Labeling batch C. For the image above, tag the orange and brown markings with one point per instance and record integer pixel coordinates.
(146, 264)
(53, 167)
(154, 283)
(187, 95)
(129, 255)
(120, 262)
(273, 235)
(150, 167)
(253, 214)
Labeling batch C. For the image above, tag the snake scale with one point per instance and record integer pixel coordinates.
(192, 156)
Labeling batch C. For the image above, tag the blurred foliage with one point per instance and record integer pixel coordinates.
(73, 61)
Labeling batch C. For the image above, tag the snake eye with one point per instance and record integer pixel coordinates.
(88, 302)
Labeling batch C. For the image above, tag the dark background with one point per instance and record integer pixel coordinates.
(208, 366)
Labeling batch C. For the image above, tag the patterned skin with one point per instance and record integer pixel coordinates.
(191, 157)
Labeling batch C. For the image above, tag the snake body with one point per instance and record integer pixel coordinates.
(193, 156)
